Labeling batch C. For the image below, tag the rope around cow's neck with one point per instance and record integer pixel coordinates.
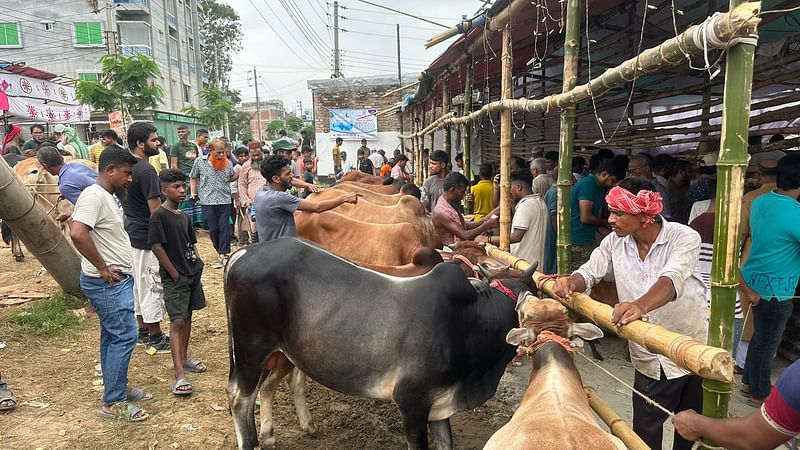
(647, 399)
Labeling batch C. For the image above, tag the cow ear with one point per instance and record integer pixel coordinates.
(585, 331)
(517, 336)
(521, 299)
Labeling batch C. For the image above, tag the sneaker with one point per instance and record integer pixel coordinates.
(143, 339)
(161, 345)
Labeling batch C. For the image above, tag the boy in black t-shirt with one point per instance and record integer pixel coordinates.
(172, 237)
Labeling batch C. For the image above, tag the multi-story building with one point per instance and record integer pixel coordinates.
(270, 110)
(68, 39)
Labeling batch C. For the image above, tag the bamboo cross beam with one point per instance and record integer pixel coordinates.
(709, 362)
(615, 423)
(740, 22)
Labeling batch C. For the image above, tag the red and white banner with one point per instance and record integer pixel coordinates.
(41, 100)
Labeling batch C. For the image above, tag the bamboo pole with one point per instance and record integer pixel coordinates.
(40, 234)
(446, 143)
(707, 361)
(731, 166)
(505, 144)
(615, 423)
(567, 138)
(467, 133)
(739, 22)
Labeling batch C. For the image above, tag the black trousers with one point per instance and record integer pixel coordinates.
(675, 395)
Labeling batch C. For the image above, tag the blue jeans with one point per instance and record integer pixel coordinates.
(769, 321)
(218, 218)
(114, 306)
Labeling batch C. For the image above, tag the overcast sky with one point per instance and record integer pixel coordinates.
(283, 70)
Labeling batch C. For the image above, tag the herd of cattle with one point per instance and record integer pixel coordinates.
(371, 307)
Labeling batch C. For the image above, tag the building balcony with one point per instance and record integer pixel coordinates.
(205, 75)
(135, 50)
(192, 69)
(174, 62)
(133, 6)
(172, 21)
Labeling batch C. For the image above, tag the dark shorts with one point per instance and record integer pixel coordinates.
(184, 296)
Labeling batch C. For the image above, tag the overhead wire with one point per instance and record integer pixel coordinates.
(315, 41)
(280, 37)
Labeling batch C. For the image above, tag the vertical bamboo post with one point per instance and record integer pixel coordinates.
(730, 186)
(505, 143)
(418, 175)
(567, 138)
(446, 143)
(415, 127)
(467, 134)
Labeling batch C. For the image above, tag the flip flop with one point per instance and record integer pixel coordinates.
(194, 365)
(124, 411)
(138, 395)
(7, 399)
(182, 387)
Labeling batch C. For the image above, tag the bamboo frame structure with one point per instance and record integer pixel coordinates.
(615, 423)
(567, 138)
(446, 142)
(704, 360)
(739, 22)
(505, 144)
(467, 133)
(731, 166)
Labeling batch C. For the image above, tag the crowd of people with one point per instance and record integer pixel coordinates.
(646, 222)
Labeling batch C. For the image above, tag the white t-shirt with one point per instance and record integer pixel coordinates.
(531, 215)
(102, 212)
(377, 160)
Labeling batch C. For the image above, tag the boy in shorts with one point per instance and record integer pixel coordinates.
(173, 239)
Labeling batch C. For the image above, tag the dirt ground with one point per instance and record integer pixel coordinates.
(58, 393)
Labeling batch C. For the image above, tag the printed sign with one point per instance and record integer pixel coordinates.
(353, 124)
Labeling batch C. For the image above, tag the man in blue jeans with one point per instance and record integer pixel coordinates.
(106, 267)
(770, 275)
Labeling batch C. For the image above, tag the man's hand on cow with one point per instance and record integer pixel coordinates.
(63, 217)
(314, 188)
(111, 276)
(564, 287)
(625, 313)
(684, 423)
(351, 198)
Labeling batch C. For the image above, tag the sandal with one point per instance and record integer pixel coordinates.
(182, 387)
(7, 399)
(124, 411)
(138, 395)
(755, 402)
(194, 365)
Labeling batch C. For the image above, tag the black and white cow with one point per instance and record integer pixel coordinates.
(434, 344)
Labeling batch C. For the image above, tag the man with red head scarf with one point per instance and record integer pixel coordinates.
(653, 262)
(12, 140)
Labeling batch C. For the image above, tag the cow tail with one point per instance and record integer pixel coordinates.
(226, 270)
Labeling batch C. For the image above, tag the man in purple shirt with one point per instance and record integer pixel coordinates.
(72, 178)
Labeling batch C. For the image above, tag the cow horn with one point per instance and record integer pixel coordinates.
(484, 271)
(528, 274)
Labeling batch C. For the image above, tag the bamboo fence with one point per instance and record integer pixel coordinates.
(615, 423)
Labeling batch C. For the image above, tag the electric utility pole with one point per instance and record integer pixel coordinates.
(111, 34)
(258, 105)
(337, 72)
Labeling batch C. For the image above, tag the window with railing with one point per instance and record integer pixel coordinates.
(173, 49)
(133, 2)
(171, 13)
(89, 76)
(134, 38)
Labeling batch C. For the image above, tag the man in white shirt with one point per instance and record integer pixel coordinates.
(530, 218)
(107, 279)
(653, 263)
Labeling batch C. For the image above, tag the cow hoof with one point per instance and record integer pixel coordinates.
(19, 258)
(268, 443)
(311, 430)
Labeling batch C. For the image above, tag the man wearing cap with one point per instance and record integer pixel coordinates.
(432, 186)
(653, 264)
(698, 189)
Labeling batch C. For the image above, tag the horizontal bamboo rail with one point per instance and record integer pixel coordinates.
(615, 423)
(709, 362)
(740, 22)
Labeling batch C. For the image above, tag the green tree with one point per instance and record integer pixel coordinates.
(126, 85)
(216, 107)
(222, 30)
(239, 124)
(294, 124)
(274, 127)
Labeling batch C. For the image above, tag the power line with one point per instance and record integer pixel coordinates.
(299, 14)
(288, 47)
(384, 35)
(360, 20)
(403, 13)
(316, 43)
(369, 11)
(391, 58)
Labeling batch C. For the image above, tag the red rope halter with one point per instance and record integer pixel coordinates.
(545, 337)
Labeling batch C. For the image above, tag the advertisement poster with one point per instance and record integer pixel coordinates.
(353, 124)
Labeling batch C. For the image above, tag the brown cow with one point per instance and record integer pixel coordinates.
(409, 209)
(361, 177)
(364, 194)
(555, 413)
(355, 240)
(390, 189)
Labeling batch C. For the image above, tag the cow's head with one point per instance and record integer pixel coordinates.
(547, 316)
(31, 173)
